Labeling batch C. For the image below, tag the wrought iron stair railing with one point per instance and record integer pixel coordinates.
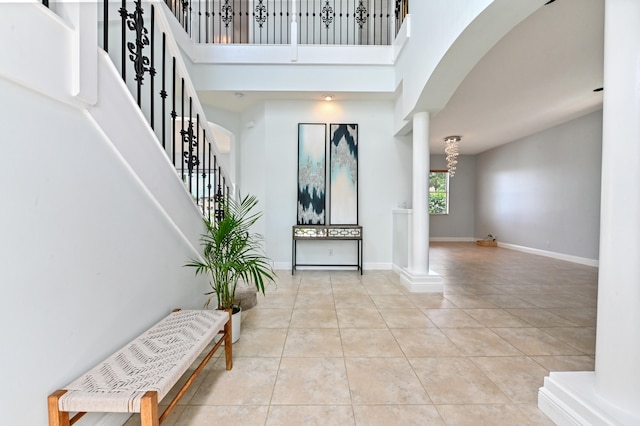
(137, 37)
(183, 128)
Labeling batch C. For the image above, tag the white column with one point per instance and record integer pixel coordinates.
(618, 328)
(419, 260)
(417, 277)
(611, 394)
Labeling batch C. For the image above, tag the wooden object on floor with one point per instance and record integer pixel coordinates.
(487, 243)
(136, 377)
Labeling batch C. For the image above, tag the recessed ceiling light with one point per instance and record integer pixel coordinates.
(238, 95)
(599, 89)
(327, 98)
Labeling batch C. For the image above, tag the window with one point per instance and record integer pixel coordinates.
(439, 192)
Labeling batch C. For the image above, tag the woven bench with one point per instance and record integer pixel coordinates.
(136, 377)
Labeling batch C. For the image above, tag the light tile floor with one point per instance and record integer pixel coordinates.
(337, 348)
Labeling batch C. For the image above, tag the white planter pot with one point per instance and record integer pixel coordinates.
(236, 321)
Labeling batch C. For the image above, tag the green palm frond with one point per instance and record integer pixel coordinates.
(232, 252)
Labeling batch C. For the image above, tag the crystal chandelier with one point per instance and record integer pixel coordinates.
(451, 149)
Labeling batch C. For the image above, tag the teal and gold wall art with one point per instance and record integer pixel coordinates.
(312, 173)
(343, 174)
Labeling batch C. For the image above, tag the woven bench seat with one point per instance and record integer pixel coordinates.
(136, 377)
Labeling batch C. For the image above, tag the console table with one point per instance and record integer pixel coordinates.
(323, 233)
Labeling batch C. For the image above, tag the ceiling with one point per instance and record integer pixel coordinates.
(240, 101)
(539, 75)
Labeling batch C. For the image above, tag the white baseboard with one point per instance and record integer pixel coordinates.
(388, 266)
(282, 266)
(367, 266)
(452, 239)
(418, 283)
(559, 256)
(380, 266)
(570, 399)
(546, 253)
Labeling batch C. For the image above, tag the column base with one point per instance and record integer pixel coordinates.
(569, 398)
(422, 283)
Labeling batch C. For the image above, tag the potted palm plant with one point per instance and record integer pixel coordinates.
(231, 252)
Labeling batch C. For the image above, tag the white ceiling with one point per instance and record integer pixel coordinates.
(240, 101)
(539, 75)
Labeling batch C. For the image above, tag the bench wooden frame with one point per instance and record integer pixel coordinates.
(149, 401)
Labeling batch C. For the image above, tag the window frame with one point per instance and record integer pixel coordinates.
(446, 192)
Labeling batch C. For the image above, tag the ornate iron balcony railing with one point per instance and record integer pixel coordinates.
(342, 22)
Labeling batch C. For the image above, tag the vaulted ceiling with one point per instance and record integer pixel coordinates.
(541, 74)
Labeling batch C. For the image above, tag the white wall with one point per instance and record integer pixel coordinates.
(54, 53)
(543, 191)
(269, 152)
(95, 224)
(459, 224)
(88, 259)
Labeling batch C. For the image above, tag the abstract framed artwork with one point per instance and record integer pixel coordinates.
(312, 172)
(343, 175)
